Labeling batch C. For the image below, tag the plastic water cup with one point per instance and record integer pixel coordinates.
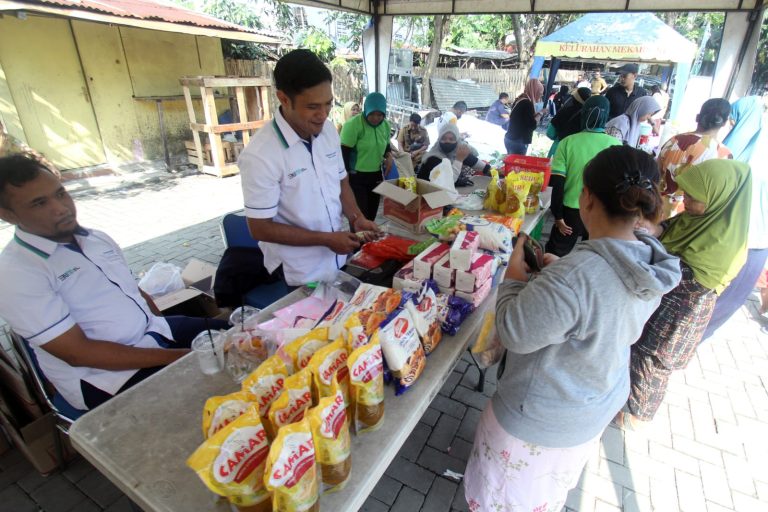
(239, 365)
(210, 352)
(242, 314)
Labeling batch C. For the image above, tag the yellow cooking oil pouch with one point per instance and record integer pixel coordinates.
(291, 473)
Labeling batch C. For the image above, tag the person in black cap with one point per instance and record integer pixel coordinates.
(625, 92)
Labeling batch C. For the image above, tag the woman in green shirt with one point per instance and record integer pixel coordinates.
(364, 147)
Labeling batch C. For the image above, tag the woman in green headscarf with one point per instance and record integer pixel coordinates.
(710, 237)
(364, 147)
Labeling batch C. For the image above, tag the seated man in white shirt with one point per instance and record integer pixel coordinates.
(69, 293)
(295, 186)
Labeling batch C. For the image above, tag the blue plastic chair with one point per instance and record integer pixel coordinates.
(234, 232)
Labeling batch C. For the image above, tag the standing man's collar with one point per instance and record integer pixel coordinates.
(285, 133)
(39, 245)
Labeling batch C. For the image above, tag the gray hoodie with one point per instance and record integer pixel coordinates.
(568, 334)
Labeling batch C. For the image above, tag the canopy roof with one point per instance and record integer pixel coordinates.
(429, 7)
(618, 36)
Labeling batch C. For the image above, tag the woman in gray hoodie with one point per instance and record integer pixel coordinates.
(568, 333)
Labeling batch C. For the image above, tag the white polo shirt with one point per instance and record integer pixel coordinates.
(49, 287)
(285, 181)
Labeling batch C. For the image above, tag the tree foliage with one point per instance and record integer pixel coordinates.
(351, 25)
(318, 43)
(484, 32)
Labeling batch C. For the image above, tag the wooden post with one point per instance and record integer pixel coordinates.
(211, 119)
(266, 110)
(195, 133)
(243, 111)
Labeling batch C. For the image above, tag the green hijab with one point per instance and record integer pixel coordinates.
(713, 244)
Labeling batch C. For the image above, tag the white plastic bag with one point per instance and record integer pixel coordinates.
(442, 176)
(162, 279)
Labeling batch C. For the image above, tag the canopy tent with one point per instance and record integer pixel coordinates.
(631, 37)
(431, 7)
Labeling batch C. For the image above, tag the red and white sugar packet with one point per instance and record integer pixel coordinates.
(423, 263)
(478, 296)
(479, 272)
(442, 272)
(463, 248)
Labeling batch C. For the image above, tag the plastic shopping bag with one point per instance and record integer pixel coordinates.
(488, 350)
(442, 176)
(162, 279)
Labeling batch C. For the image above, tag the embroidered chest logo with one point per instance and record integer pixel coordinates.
(296, 173)
(67, 274)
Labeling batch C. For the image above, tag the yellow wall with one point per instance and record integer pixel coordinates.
(120, 65)
(45, 80)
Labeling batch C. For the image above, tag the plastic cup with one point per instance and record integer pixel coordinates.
(239, 362)
(242, 314)
(210, 351)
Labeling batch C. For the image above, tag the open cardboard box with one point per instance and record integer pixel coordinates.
(36, 442)
(197, 298)
(413, 211)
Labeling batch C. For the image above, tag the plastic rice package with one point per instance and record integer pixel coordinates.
(292, 403)
(493, 236)
(220, 411)
(329, 363)
(266, 383)
(452, 311)
(232, 462)
(300, 350)
(366, 386)
(423, 310)
(512, 223)
(402, 349)
(330, 433)
(291, 473)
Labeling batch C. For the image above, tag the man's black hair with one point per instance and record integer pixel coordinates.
(503, 95)
(16, 170)
(460, 105)
(299, 70)
(415, 118)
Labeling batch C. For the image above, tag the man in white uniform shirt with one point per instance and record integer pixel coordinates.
(69, 293)
(295, 187)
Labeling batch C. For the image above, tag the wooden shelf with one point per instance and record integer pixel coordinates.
(255, 87)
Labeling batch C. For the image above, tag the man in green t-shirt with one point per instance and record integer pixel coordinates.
(572, 155)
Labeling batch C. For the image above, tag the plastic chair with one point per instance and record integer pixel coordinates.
(65, 413)
(234, 233)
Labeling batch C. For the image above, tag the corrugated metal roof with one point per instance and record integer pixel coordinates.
(447, 92)
(146, 10)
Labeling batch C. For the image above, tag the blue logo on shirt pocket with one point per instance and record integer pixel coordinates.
(296, 173)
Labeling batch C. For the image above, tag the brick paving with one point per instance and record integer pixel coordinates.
(705, 451)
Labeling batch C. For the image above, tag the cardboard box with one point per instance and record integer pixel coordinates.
(413, 211)
(197, 298)
(36, 442)
(426, 259)
(21, 399)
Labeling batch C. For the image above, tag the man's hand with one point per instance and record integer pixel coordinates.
(462, 152)
(363, 224)
(343, 242)
(563, 228)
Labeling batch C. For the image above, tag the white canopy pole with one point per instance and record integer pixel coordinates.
(377, 41)
(729, 60)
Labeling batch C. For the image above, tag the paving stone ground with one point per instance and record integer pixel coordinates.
(706, 451)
